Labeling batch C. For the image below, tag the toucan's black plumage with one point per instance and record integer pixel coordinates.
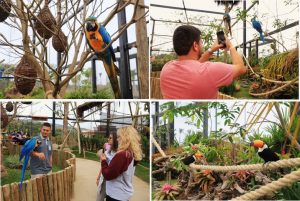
(264, 151)
(268, 155)
(188, 160)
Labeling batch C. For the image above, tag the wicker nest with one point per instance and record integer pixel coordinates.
(9, 106)
(23, 72)
(4, 118)
(234, 2)
(5, 8)
(60, 42)
(45, 23)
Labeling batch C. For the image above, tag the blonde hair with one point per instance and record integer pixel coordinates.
(129, 139)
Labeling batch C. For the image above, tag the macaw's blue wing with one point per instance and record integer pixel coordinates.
(25, 152)
(106, 38)
(257, 26)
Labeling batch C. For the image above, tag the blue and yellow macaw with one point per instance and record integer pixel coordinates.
(28, 147)
(227, 19)
(257, 26)
(98, 38)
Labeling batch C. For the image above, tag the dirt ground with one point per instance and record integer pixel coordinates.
(85, 183)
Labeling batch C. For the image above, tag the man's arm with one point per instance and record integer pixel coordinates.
(41, 156)
(205, 56)
(237, 61)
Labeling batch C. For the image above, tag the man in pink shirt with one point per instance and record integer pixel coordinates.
(191, 76)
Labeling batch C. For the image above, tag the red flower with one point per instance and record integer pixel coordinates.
(167, 188)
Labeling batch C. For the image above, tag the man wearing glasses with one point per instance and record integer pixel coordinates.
(191, 76)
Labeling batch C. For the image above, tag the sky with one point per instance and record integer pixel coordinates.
(181, 122)
(43, 108)
(266, 11)
(15, 37)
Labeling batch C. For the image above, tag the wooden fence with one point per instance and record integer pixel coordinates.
(57, 186)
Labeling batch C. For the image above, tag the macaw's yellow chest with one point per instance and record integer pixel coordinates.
(95, 40)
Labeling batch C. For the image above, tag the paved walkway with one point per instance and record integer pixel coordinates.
(85, 183)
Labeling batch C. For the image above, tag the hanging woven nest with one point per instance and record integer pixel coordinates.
(45, 23)
(4, 118)
(60, 42)
(5, 8)
(25, 76)
(9, 106)
(234, 2)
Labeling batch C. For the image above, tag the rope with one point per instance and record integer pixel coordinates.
(285, 181)
(270, 166)
(277, 89)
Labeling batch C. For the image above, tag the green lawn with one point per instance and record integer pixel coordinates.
(14, 175)
(142, 173)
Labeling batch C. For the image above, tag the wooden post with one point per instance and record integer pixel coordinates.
(54, 181)
(35, 190)
(6, 192)
(142, 52)
(66, 185)
(15, 189)
(39, 182)
(22, 193)
(62, 185)
(50, 187)
(58, 187)
(28, 187)
(46, 188)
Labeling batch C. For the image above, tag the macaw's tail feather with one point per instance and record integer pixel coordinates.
(262, 38)
(23, 170)
(117, 70)
(229, 27)
(112, 75)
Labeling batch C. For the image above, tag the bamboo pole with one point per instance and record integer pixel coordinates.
(287, 133)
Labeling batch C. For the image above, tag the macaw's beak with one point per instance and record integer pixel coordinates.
(90, 26)
(38, 143)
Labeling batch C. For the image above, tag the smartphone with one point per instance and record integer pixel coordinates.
(221, 38)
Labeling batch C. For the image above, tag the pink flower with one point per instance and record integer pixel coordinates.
(194, 147)
(167, 188)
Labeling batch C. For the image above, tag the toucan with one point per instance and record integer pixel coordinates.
(192, 158)
(264, 152)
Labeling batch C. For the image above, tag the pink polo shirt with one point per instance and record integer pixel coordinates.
(190, 79)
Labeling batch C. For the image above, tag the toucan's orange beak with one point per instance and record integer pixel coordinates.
(257, 144)
(198, 155)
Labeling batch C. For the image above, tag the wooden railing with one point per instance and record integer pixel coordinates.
(57, 186)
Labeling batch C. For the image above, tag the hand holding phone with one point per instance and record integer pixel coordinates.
(221, 38)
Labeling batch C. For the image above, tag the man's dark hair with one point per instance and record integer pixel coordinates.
(47, 124)
(184, 37)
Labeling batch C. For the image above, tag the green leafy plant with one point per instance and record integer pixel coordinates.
(12, 161)
(290, 193)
